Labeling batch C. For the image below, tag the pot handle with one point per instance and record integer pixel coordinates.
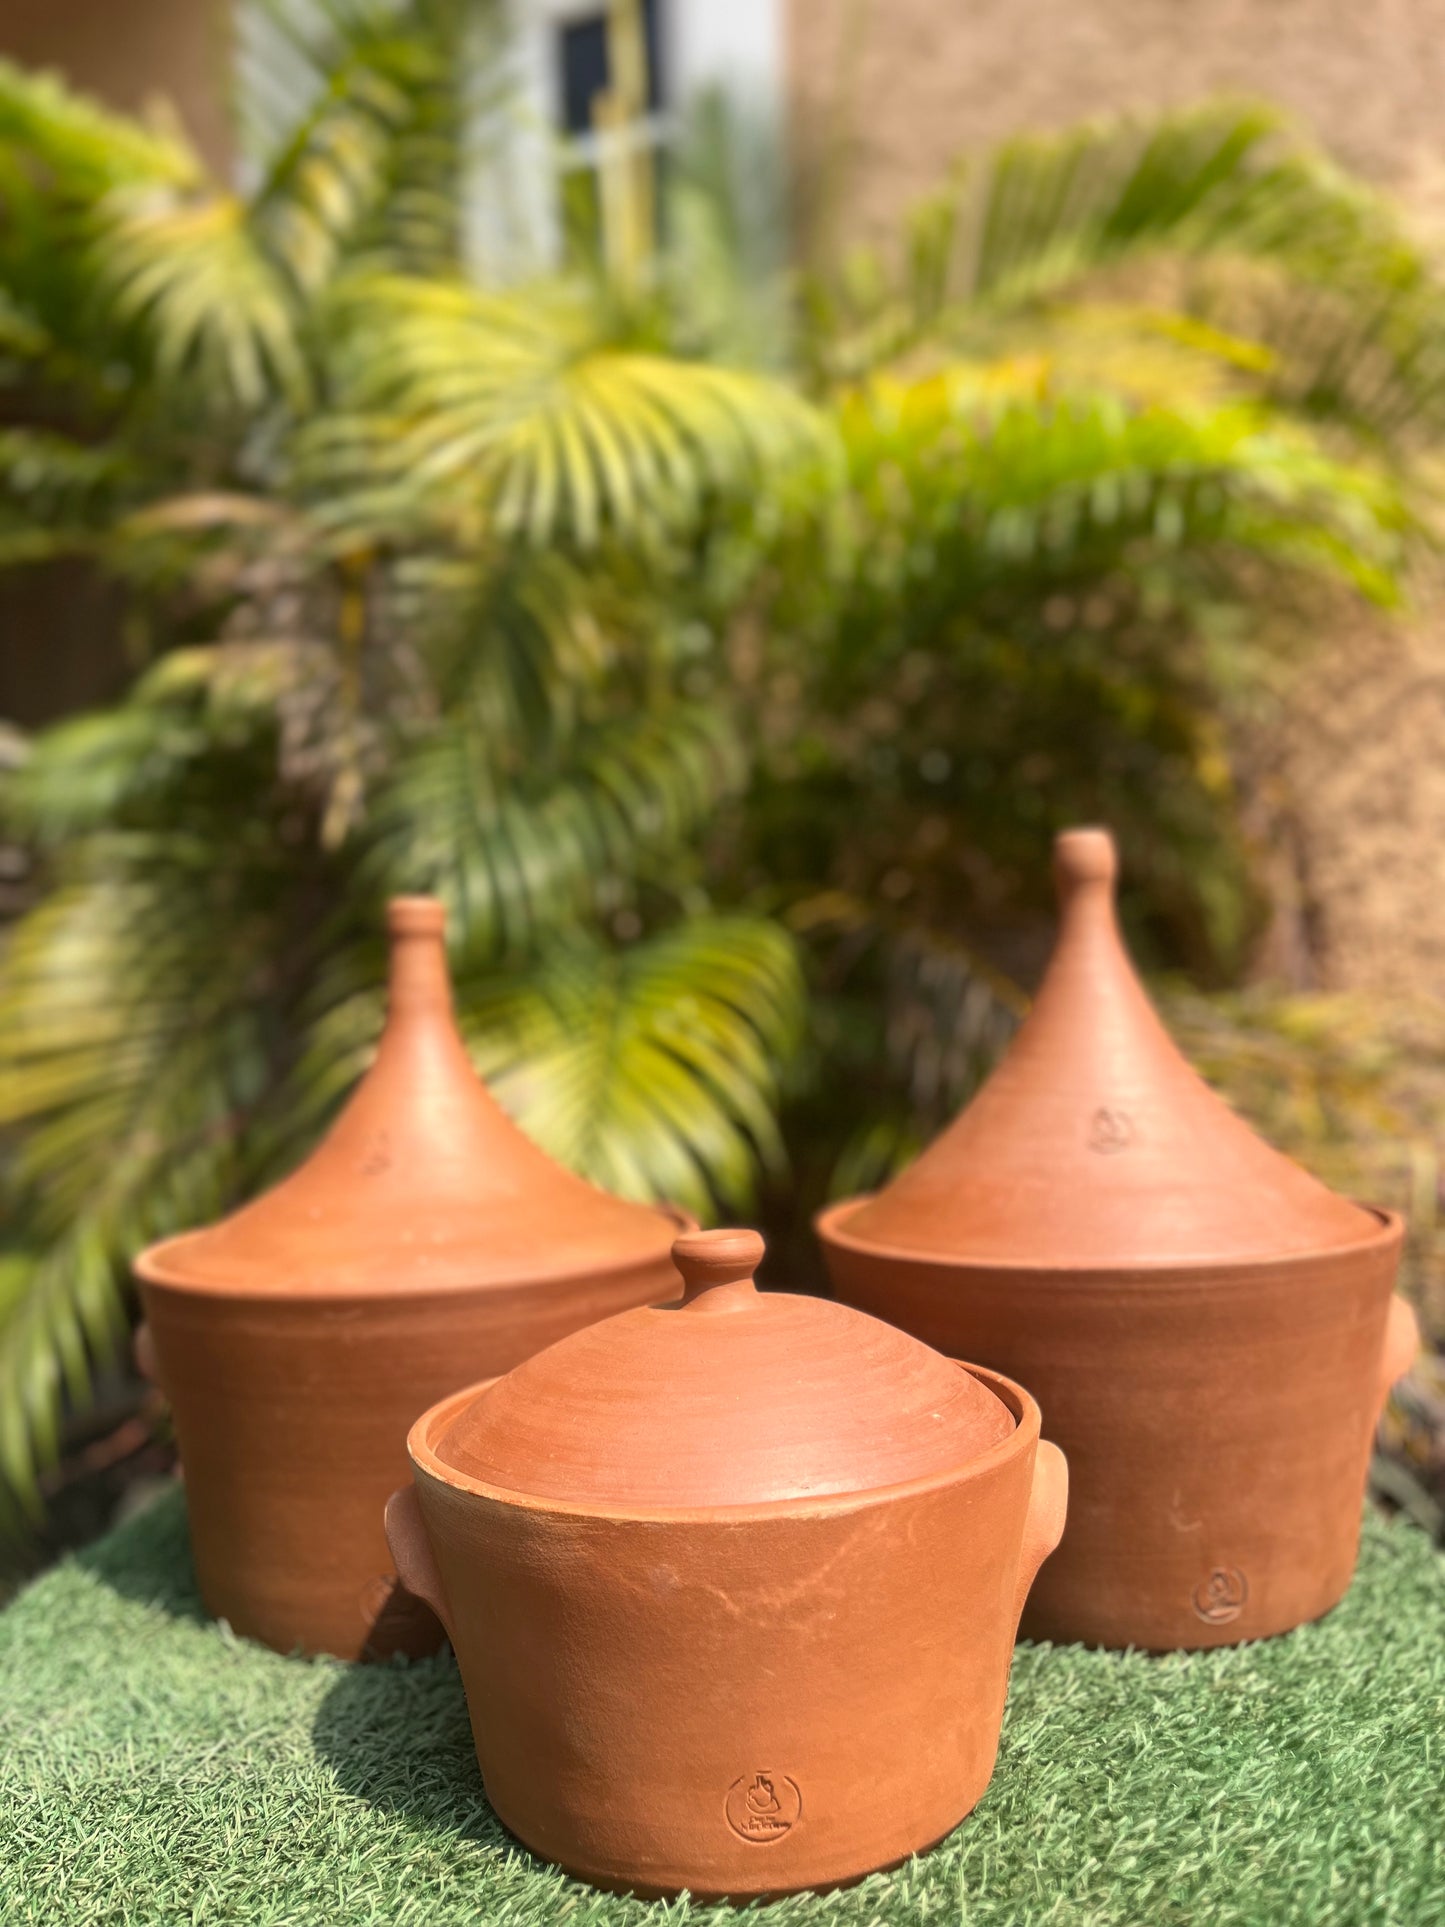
(1044, 1524)
(1402, 1341)
(412, 1553)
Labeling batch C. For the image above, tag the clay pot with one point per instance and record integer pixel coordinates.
(426, 1242)
(733, 1584)
(1209, 1331)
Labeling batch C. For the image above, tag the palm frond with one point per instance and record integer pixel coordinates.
(127, 1055)
(1222, 183)
(187, 271)
(72, 148)
(653, 1070)
(727, 263)
(1047, 488)
(518, 406)
(372, 161)
(512, 851)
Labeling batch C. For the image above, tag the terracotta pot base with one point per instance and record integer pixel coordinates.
(1255, 1529)
(1209, 1331)
(424, 1243)
(747, 1698)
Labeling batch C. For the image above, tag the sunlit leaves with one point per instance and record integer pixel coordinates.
(1054, 485)
(129, 1050)
(67, 144)
(511, 851)
(652, 1069)
(523, 406)
(190, 274)
(1331, 276)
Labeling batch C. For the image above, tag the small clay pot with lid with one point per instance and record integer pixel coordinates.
(733, 1584)
(426, 1242)
(1209, 1330)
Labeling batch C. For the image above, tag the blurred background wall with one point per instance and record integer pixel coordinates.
(928, 77)
(131, 52)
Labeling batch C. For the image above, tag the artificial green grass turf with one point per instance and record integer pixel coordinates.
(155, 1769)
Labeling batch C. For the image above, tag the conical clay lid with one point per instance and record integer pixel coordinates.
(732, 1397)
(423, 1182)
(1094, 1143)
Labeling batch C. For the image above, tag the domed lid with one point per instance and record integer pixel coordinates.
(1094, 1143)
(731, 1397)
(423, 1182)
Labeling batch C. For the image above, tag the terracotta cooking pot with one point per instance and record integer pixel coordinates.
(733, 1584)
(1209, 1329)
(424, 1243)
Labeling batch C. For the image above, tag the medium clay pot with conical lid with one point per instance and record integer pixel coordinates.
(425, 1242)
(1209, 1331)
(733, 1583)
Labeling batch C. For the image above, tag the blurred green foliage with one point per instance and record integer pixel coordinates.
(700, 628)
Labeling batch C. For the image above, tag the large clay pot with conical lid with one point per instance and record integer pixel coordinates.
(733, 1584)
(1209, 1331)
(426, 1242)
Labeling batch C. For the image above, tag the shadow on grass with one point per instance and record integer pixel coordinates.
(398, 1737)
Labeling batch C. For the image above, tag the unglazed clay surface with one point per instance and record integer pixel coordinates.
(733, 1397)
(425, 1242)
(422, 1181)
(771, 1690)
(1208, 1329)
(1094, 1142)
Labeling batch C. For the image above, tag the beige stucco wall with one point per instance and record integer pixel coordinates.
(915, 81)
(132, 52)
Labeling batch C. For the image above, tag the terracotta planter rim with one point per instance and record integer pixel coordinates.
(828, 1225)
(431, 1424)
(156, 1266)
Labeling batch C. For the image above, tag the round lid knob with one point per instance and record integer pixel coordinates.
(717, 1269)
(730, 1397)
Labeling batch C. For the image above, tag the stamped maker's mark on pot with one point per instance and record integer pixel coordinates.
(378, 1156)
(1222, 1596)
(761, 1807)
(1110, 1131)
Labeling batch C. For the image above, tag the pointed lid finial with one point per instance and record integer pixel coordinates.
(733, 1397)
(1083, 858)
(423, 1182)
(1094, 1143)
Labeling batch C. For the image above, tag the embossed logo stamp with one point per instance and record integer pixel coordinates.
(762, 1807)
(378, 1156)
(1222, 1596)
(1110, 1131)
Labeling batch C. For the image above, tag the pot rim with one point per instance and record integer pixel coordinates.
(1024, 1437)
(154, 1266)
(827, 1224)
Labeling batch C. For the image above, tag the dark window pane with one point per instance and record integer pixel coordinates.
(582, 55)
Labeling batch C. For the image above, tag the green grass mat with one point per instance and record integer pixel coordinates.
(155, 1769)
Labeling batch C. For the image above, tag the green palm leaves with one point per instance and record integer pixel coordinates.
(527, 413)
(656, 669)
(418, 539)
